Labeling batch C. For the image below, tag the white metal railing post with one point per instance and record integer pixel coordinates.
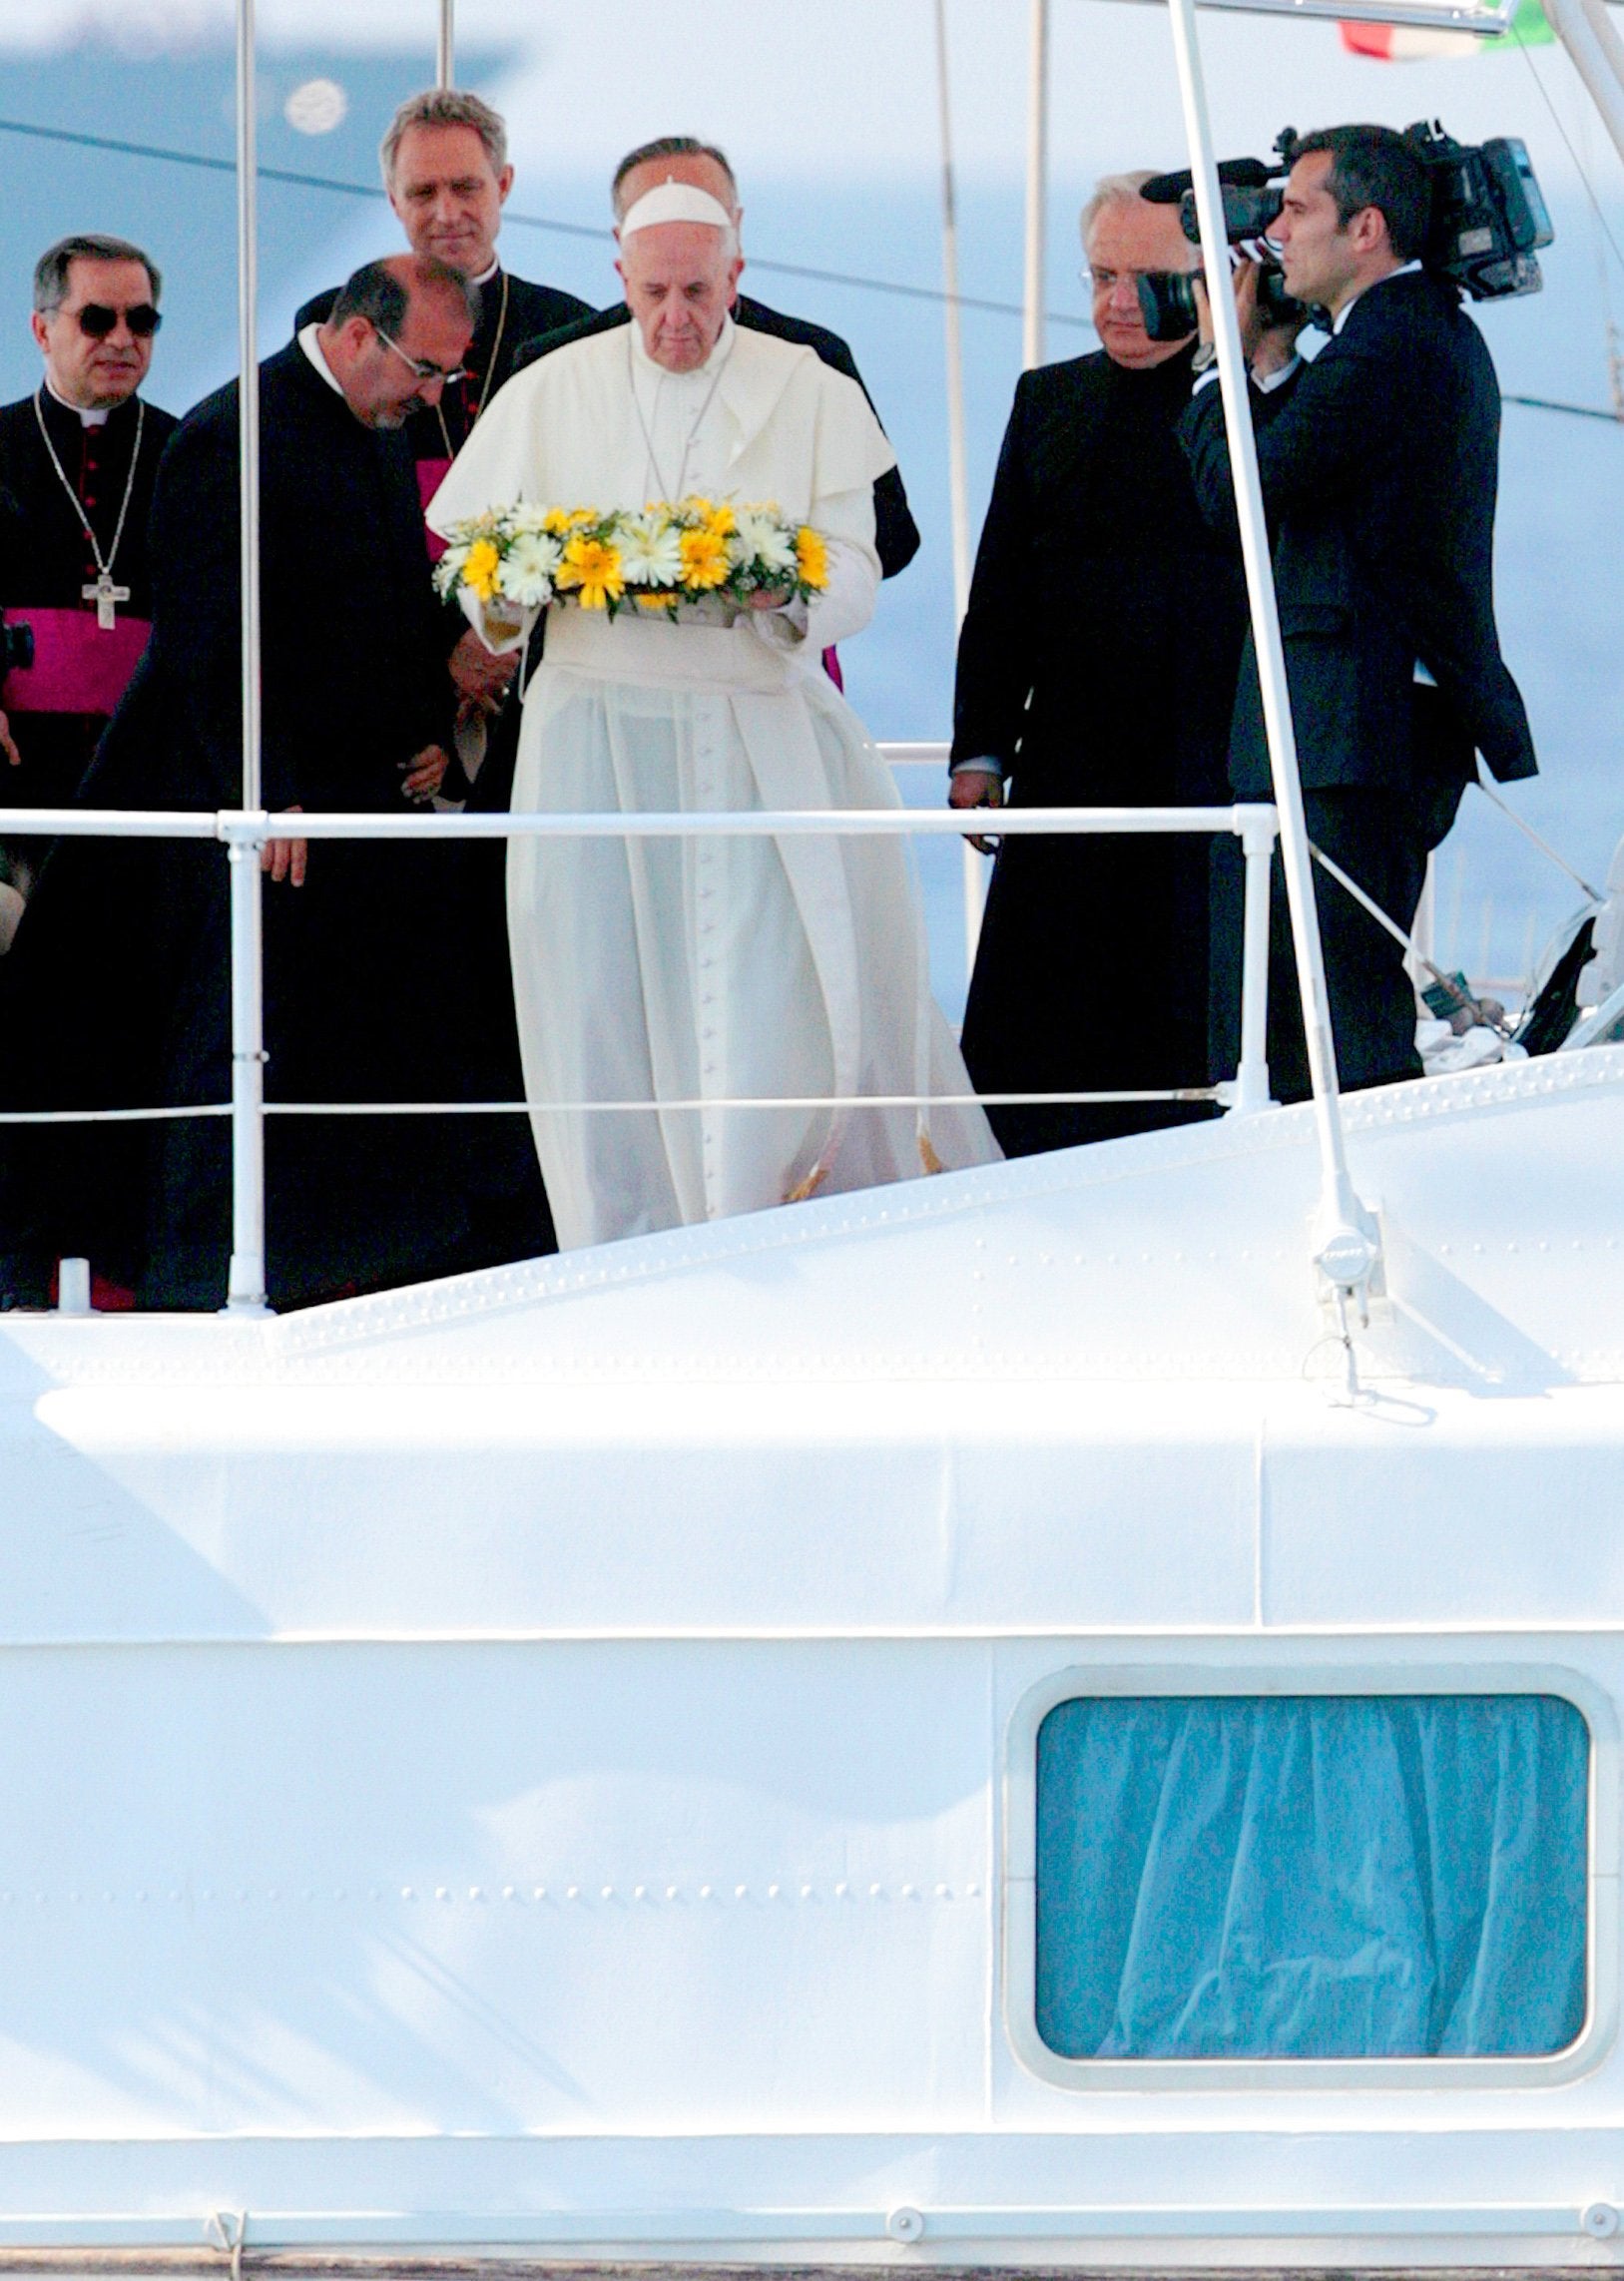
(246, 1280)
(1037, 186)
(973, 871)
(246, 1287)
(446, 45)
(1346, 1244)
(1250, 1090)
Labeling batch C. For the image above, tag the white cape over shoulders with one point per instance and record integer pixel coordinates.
(704, 974)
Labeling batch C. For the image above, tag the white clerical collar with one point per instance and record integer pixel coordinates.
(97, 416)
(1409, 269)
(310, 341)
(713, 363)
(485, 276)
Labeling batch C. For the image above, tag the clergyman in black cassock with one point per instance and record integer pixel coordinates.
(358, 957)
(512, 312)
(59, 708)
(1096, 666)
(78, 462)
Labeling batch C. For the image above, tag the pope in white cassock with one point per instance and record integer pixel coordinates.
(701, 973)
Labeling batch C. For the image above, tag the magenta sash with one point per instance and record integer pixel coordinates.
(79, 666)
(432, 473)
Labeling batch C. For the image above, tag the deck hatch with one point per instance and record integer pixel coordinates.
(1311, 1876)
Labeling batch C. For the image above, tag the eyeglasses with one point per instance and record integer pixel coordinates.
(421, 365)
(95, 320)
(1105, 281)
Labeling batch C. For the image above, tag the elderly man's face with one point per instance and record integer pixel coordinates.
(1130, 239)
(680, 280)
(92, 373)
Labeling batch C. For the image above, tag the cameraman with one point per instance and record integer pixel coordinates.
(1378, 476)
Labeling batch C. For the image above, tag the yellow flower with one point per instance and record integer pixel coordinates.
(704, 559)
(557, 520)
(655, 601)
(719, 522)
(592, 570)
(812, 558)
(479, 571)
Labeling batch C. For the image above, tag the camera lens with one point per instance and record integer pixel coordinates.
(1167, 301)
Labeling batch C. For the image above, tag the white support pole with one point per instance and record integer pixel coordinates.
(1597, 54)
(957, 478)
(1423, 934)
(1251, 1090)
(245, 1290)
(248, 364)
(1037, 183)
(445, 53)
(1346, 1244)
(973, 866)
(246, 1283)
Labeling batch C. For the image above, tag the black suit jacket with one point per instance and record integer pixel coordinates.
(897, 535)
(1379, 478)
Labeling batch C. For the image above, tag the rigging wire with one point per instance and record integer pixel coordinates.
(1580, 168)
(1577, 411)
(342, 188)
(893, 286)
(1604, 239)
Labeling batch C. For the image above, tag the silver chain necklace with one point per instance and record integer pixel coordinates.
(103, 593)
(648, 438)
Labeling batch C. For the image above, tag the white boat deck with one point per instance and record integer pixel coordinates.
(542, 1753)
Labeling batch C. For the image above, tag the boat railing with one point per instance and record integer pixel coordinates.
(244, 833)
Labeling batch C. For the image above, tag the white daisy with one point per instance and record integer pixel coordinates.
(448, 568)
(526, 575)
(650, 551)
(763, 542)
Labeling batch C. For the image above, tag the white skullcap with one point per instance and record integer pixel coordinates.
(676, 201)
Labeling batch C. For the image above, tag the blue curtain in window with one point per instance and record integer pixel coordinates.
(1328, 1877)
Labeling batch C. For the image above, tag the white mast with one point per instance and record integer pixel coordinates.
(1346, 1245)
(975, 864)
(245, 1285)
(1597, 53)
(957, 480)
(1037, 172)
(445, 46)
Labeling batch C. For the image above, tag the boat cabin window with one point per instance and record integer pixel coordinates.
(1332, 1877)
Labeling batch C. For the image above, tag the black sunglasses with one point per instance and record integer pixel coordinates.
(96, 321)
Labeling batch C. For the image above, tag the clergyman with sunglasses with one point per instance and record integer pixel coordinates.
(78, 459)
(118, 978)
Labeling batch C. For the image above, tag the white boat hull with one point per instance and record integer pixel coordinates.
(542, 1764)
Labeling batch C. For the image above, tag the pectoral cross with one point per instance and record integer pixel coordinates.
(104, 594)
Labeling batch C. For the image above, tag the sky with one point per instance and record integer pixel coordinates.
(829, 115)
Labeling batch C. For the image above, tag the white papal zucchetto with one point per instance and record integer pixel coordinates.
(675, 201)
